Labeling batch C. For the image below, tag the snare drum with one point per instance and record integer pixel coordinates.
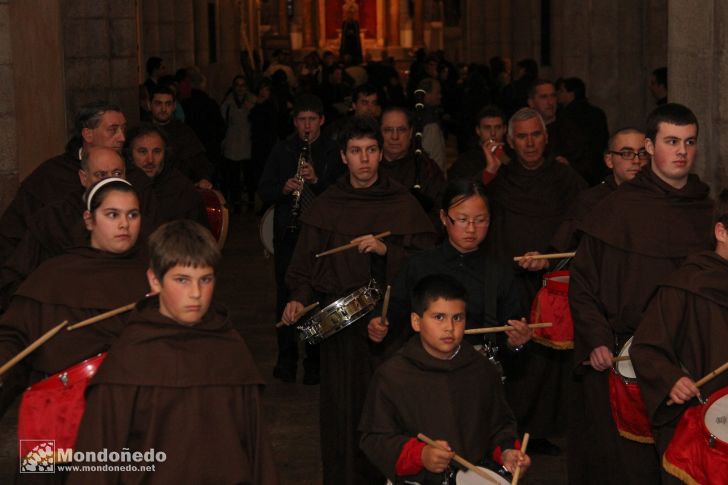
(698, 452)
(218, 217)
(340, 314)
(628, 408)
(52, 408)
(265, 231)
(552, 305)
(471, 478)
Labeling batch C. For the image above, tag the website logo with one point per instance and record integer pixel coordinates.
(37, 456)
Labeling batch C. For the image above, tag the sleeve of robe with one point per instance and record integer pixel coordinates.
(257, 442)
(591, 328)
(299, 276)
(382, 437)
(270, 186)
(653, 355)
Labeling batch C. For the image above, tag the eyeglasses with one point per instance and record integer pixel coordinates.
(629, 154)
(463, 222)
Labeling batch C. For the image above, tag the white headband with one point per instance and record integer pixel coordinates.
(100, 184)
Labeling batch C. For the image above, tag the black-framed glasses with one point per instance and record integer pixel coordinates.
(465, 222)
(630, 154)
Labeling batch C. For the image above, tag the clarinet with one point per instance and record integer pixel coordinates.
(426, 202)
(304, 157)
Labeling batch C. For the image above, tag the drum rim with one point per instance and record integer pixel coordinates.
(52, 381)
(494, 474)
(269, 213)
(712, 399)
(628, 380)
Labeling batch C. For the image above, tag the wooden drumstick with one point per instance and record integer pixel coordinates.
(524, 445)
(301, 313)
(385, 305)
(619, 358)
(30, 348)
(474, 331)
(346, 247)
(545, 256)
(457, 458)
(103, 316)
(707, 378)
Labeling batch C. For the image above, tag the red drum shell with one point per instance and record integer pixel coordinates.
(52, 408)
(552, 305)
(628, 409)
(690, 456)
(217, 214)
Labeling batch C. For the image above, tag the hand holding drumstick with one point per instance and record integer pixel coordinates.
(379, 326)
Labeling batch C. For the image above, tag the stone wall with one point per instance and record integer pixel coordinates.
(8, 144)
(697, 74)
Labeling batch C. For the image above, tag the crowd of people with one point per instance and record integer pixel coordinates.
(356, 156)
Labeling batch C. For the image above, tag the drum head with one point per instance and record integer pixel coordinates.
(265, 230)
(624, 368)
(472, 478)
(716, 418)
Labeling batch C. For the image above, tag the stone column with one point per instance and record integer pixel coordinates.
(393, 23)
(307, 24)
(418, 25)
(697, 69)
(282, 18)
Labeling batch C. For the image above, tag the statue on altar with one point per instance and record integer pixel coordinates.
(350, 50)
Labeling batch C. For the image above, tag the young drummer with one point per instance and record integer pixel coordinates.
(683, 335)
(179, 379)
(440, 386)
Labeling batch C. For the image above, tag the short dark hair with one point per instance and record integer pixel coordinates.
(460, 189)
(673, 113)
(89, 115)
(537, 83)
(490, 111)
(529, 66)
(307, 102)
(622, 131)
(153, 63)
(399, 109)
(365, 89)
(575, 85)
(181, 242)
(162, 90)
(434, 287)
(100, 194)
(720, 214)
(720, 211)
(356, 128)
(660, 76)
(144, 129)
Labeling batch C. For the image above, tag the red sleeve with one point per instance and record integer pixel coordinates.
(487, 177)
(498, 451)
(410, 458)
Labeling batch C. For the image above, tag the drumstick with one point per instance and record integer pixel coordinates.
(517, 473)
(301, 313)
(457, 458)
(474, 331)
(707, 378)
(103, 316)
(385, 305)
(619, 358)
(30, 348)
(545, 256)
(346, 247)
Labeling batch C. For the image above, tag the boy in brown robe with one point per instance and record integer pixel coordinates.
(683, 334)
(632, 240)
(180, 379)
(356, 207)
(440, 386)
